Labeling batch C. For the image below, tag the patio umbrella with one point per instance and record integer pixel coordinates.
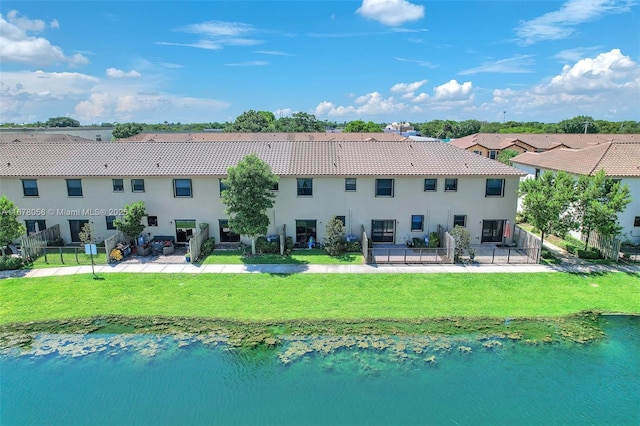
(507, 231)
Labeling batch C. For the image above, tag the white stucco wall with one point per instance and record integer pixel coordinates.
(329, 199)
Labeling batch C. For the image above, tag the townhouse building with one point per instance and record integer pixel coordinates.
(392, 187)
(620, 159)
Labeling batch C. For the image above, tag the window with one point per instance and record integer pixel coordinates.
(152, 220)
(137, 185)
(110, 220)
(305, 187)
(636, 221)
(451, 184)
(384, 187)
(30, 187)
(537, 173)
(417, 222)
(342, 219)
(431, 184)
(460, 220)
(182, 188)
(185, 228)
(35, 225)
(223, 186)
(305, 229)
(350, 184)
(118, 185)
(475, 151)
(226, 234)
(74, 187)
(492, 155)
(495, 188)
(275, 187)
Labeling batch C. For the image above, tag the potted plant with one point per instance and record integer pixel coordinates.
(187, 257)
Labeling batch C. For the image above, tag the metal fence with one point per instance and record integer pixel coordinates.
(630, 253)
(412, 255)
(68, 255)
(502, 255)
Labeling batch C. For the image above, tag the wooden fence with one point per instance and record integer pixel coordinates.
(609, 247)
(111, 242)
(33, 246)
(196, 240)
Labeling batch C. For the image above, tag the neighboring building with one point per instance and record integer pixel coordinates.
(92, 133)
(491, 144)
(620, 161)
(403, 129)
(395, 188)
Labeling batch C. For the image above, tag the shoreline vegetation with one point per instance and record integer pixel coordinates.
(256, 310)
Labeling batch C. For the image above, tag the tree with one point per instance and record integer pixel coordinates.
(253, 121)
(86, 234)
(10, 228)
(359, 126)
(599, 200)
(131, 224)
(506, 155)
(546, 201)
(578, 125)
(334, 242)
(248, 196)
(62, 122)
(463, 241)
(126, 130)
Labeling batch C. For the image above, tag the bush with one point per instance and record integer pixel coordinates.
(591, 253)
(353, 247)
(10, 263)
(434, 240)
(207, 247)
(572, 247)
(56, 242)
(263, 246)
(288, 245)
(418, 242)
(334, 243)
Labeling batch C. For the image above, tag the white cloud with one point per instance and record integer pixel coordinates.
(575, 54)
(29, 96)
(453, 91)
(273, 53)
(371, 104)
(592, 86)
(518, 64)
(116, 73)
(426, 64)
(215, 35)
(407, 87)
(561, 23)
(19, 46)
(391, 12)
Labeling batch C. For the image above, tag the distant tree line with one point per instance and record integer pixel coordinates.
(266, 121)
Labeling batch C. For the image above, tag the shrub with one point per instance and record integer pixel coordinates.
(207, 247)
(591, 253)
(288, 245)
(10, 263)
(263, 246)
(334, 242)
(353, 247)
(463, 241)
(434, 240)
(56, 242)
(418, 242)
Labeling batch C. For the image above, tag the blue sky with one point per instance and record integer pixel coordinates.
(378, 60)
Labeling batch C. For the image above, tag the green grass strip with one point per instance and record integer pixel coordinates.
(262, 297)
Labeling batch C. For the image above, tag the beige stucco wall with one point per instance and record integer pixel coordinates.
(329, 199)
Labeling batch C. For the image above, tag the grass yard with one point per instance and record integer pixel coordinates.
(254, 297)
(314, 256)
(68, 259)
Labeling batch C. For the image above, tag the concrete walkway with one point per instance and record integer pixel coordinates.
(322, 269)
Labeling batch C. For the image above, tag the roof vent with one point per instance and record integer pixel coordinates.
(411, 164)
(105, 166)
(157, 164)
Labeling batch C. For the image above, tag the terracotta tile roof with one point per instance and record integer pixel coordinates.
(621, 159)
(265, 136)
(41, 138)
(497, 141)
(293, 158)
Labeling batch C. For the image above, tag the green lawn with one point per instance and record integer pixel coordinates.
(314, 256)
(262, 297)
(68, 259)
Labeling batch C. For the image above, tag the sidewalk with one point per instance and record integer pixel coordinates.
(575, 267)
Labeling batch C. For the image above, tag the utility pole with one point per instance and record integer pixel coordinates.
(504, 116)
(586, 125)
